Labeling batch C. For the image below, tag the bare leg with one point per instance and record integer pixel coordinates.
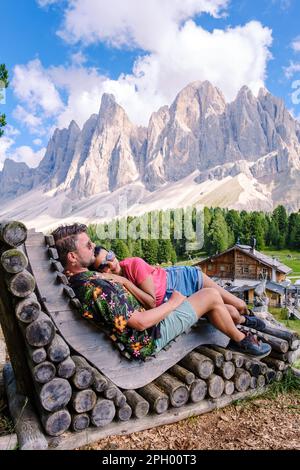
(237, 318)
(227, 297)
(208, 301)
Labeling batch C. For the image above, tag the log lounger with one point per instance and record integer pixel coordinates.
(90, 342)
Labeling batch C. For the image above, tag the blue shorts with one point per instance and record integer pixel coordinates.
(184, 279)
(176, 323)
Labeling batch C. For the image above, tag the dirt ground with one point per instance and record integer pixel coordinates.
(269, 424)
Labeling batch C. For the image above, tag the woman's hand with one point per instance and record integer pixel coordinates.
(114, 277)
(176, 299)
(242, 307)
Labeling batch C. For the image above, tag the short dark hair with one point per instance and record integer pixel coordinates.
(65, 238)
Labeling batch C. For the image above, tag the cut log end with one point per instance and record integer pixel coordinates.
(13, 233)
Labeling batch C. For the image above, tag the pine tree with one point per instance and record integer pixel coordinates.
(120, 248)
(137, 249)
(173, 256)
(295, 232)
(280, 217)
(3, 84)
(218, 234)
(150, 249)
(164, 252)
(234, 222)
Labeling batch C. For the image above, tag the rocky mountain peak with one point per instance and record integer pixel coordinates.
(254, 136)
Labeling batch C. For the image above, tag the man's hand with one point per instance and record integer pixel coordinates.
(176, 299)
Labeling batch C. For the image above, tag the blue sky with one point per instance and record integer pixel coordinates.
(62, 55)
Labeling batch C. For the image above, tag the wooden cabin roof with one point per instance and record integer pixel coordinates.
(248, 250)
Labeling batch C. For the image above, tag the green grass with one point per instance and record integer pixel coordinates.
(281, 315)
(289, 384)
(289, 257)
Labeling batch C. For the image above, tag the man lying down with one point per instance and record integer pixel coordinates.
(107, 300)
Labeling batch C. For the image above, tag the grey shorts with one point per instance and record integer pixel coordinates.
(176, 323)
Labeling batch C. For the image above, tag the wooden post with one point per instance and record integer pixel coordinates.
(13, 233)
(28, 310)
(177, 391)
(21, 284)
(100, 382)
(198, 390)
(124, 413)
(14, 339)
(159, 401)
(56, 423)
(228, 387)
(66, 368)
(182, 374)
(103, 412)
(14, 261)
(83, 400)
(27, 427)
(40, 332)
(80, 421)
(215, 386)
(215, 356)
(201, 365)
(242, 380)
(139, 405)
(84, 376)
(226, 370)
(58, 350)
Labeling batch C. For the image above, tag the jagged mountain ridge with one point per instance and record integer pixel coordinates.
(199, 132)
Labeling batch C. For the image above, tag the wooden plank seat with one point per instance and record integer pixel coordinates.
(92, 343)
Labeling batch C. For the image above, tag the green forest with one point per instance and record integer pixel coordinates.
(222, 229)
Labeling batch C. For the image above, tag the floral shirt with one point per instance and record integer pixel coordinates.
(109, 304)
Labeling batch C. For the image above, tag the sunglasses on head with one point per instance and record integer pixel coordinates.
(109, 257)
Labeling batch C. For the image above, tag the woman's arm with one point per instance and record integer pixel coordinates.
(145, 294)
(142, 320)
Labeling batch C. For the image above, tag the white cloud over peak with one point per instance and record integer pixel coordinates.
(33, 123)
(19, 154)
(136, 23)
(177, 51)
(32, 84)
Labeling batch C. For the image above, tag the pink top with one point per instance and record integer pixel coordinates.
(137, 270)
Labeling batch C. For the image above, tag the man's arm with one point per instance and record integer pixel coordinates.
(142, 320)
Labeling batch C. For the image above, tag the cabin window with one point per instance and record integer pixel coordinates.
(246, 269)
(265, 271)
(209, 267)
(222, 268)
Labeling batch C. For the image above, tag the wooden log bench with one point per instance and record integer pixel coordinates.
(82, 386)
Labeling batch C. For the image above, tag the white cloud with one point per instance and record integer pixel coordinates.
(132, 22)
(11, 131)
(37, 142)
(78, 58)
(84, 87)
(292, 69)
(32, 122)
(5, 144)
(19, 154)
(177, 51)
(44, 3)
(27, 155)
(32, 85)
(296, 44)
